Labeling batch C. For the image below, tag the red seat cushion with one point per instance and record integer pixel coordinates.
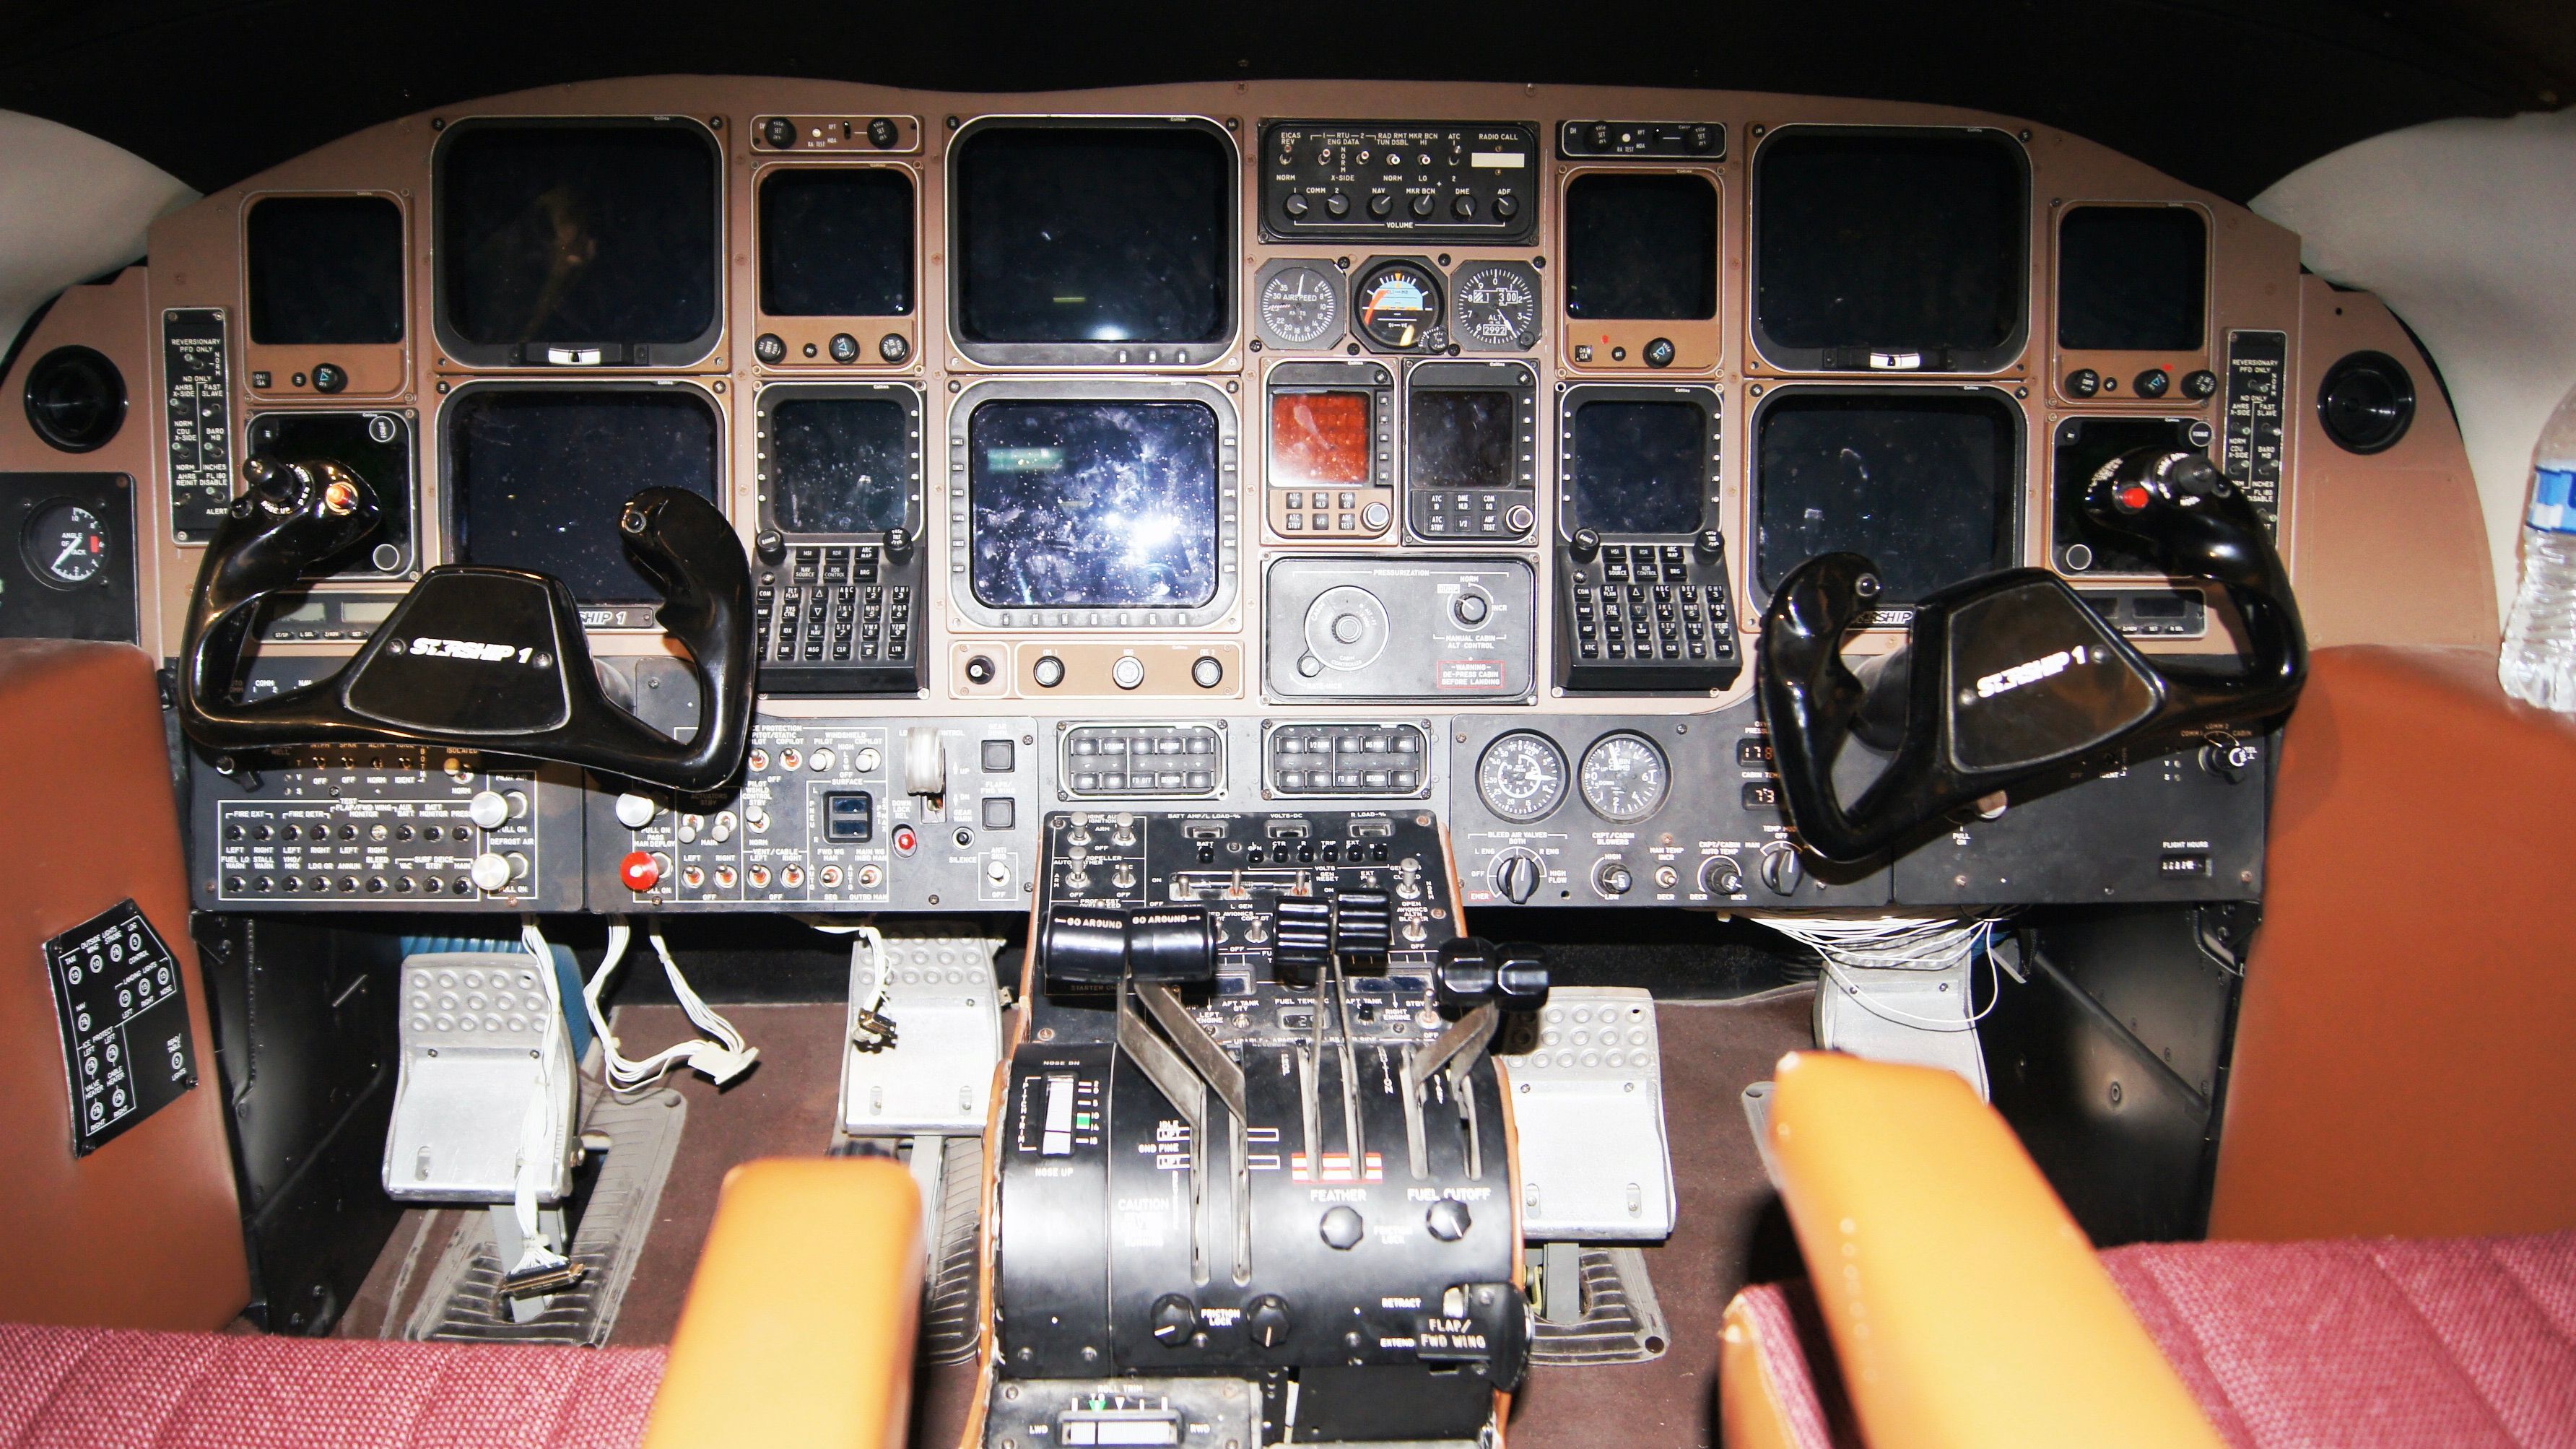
(95, 1388)
(2380, 1341)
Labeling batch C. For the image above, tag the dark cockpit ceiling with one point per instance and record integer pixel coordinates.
(2226, 96)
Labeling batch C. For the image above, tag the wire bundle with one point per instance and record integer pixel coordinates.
(1896, 943)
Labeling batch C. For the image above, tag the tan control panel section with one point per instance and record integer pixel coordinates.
(1068, 668)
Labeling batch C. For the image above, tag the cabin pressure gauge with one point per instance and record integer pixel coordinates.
(1521, 777)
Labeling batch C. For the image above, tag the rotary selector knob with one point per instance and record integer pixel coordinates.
(488, 809)
(1174, 1319)
(1613, 878)
(1472, 608)
(1517, 876)
(1207, 672)
(1721, 875)
(1342, 1228)
(1128, 672)
(1266, 1318)
(1048, 672)
(1448, 1220)
(1782, 870)
(779, 132)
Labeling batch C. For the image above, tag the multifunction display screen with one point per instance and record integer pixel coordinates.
(572, 235)
(1640, 248)
(1921, 482)
(2132, 278)
(1637, 467)
(1891, 241)
(839, 465)
(1092, 234)
(1093, 504)
(537, 476)
(836, 242)
(325, 271)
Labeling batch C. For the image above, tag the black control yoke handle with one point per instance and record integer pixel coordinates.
(473, 657)
(2008, 675)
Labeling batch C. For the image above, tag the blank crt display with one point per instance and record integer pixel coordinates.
(1319, 438)
(836, 242)
(2132, 279)
(1921, 481)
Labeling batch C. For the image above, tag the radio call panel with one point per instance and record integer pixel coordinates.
(1433, 181)
(1401, 629)
(1332, 450)
(1471, 452)
(839, 574)
(1643, 601)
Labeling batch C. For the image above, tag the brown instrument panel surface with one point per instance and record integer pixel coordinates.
(144, 1232)
(2253, 284)
(2400, 1070)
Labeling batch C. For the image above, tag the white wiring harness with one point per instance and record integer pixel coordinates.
(1895, 943)
(722, 1060)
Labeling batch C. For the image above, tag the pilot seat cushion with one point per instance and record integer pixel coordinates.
(2389, 1342)
(101, 1388)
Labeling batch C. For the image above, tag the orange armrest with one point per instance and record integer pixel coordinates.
(799, 1325)
(1964, 1305)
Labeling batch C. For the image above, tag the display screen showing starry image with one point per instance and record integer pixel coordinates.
(1093, 504)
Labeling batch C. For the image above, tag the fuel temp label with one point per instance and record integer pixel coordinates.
(126, 1053)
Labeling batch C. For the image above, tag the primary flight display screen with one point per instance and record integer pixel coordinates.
(536, 477)
(1640, 247)
(1922, 482)
(1462, 438)
(1636, 467)
(839, 465)
(592, 235)
(1319, 438)
(836, 242)
(1093, 234)
(1913, 245)
(2132, 278)
(1093, 504)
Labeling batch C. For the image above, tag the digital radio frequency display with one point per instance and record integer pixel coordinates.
(1320, 439)
(1093, 504)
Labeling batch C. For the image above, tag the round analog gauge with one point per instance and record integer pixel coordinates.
(1625, 778)
(64, 544)
(1399, 307)
(1495, 307)
(1521, 777)
(1300, 306)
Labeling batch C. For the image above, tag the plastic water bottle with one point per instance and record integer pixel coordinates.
(2539, 661)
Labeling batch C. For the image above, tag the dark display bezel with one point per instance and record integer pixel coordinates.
(1854, 357)
(1375, 379)
(904, 395)
(1098, 354)
(1229, 502)
(517, 355)
(1573, 398)
(1516, 378)
(619, 613)
(2012, 492)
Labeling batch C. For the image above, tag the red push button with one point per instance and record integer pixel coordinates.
(904, 840)
(2135, 498)
(639, 872)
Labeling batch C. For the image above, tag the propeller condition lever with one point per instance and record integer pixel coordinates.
(2006, 676)
(473, 657)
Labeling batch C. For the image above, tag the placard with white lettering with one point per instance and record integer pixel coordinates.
(126, 1053)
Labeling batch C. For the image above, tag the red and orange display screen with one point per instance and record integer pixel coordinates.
(1319, 438)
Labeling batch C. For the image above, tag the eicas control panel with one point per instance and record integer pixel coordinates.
(1432, 449)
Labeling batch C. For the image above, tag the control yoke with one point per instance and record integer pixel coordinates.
(473, 657)
(2006, 675)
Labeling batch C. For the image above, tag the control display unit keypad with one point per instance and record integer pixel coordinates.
(1643, 607)
(831, 606)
